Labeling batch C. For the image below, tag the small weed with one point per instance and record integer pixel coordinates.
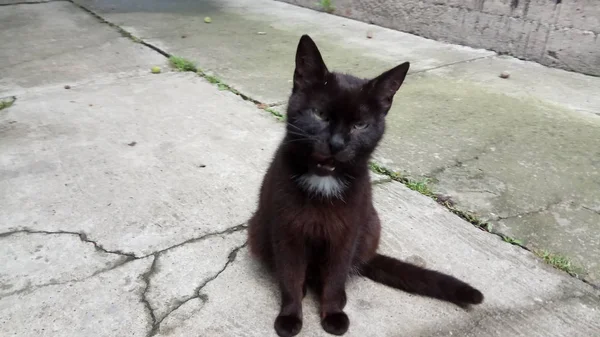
(275, 113)
(220, 84)
(557, 261)
(326, 6)
(5, 103)
(210, 78)
(385, 171)
(182, 64)
(421, 186)
(512, 241)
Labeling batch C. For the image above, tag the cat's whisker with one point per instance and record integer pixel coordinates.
(296, 140)
(302, 135)
(294, 126)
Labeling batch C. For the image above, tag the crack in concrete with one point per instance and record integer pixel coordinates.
(452, 64)
(591, 209)
(482, 151)
(527, 213)
(30, 289)
(31, 2)
(131, 256)
(197, 295)
(126, 257)
(82, 236)
(146, 278)
(457, 163)
(226, 231)
(480, 191)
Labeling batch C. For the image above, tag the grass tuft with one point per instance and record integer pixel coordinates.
(512, 241)
(558, 261)
(385, 171)
(326, 5)
(5, 103)
(182, 64)
(421, 186)
(275, 113)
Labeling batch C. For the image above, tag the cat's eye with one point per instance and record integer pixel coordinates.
(320, 115)
(360, 126)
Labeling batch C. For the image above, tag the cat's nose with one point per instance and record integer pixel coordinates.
(337, 143)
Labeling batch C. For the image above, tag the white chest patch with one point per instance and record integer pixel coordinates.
(327, 186)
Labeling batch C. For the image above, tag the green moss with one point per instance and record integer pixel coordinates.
(182, 64)
(326, 5)
(5, 103)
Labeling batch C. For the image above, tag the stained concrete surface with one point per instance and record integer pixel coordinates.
(524, 296)
(124, 201)
(263, 70)
(562, 34)
(122, 140)
(527, 143)
(34, 261)
(58, 43)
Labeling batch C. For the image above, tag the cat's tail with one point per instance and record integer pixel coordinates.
(420, 281)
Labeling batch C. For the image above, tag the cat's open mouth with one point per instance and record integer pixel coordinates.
(324, 166)
(327, 167)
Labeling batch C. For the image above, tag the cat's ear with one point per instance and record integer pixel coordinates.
(310, 68)
(383, 87)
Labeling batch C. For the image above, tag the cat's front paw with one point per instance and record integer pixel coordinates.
(336, 324)
(288, 326)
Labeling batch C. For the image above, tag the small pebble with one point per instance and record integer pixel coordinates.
(155, 70)
(67, 86)
(207, 19)
(183, 36)
(261, 33)
(505, 74)
(369, 34)
(132, 143)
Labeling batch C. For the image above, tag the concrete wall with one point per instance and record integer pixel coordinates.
(557, 33)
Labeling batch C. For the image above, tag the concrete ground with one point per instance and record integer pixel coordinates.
(125, 194)
(522, 153)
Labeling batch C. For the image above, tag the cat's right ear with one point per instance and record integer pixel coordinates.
(310, 68)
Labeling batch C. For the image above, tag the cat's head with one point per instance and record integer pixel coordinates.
(335, 120)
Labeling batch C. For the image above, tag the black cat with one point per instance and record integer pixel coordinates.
(315, 221)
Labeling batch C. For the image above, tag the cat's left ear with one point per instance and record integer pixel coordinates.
(383, 87)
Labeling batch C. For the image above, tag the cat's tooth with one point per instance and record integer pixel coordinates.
(331, 168)
(319, 165)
